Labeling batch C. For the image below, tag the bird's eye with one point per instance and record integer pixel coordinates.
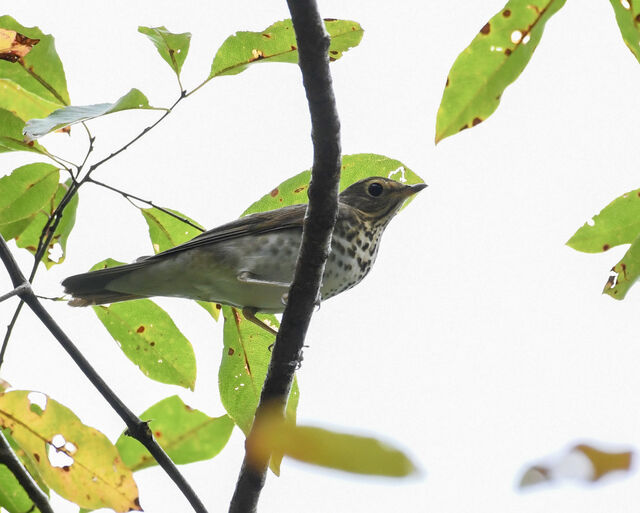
(375, 189)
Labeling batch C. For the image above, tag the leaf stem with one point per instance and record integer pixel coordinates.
(148, 202)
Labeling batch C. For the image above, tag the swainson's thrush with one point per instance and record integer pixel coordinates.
(249, 263)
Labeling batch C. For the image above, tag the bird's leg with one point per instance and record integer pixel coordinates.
(250, 315)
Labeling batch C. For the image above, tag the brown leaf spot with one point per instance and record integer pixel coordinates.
(157, 434)
(476, 121)
(447, 84)
(152, 343)
(140, 329)
(300, 189)
(281, 200)
(256, 55)
(486, 29)
(507, 51)
(637, 19)
(330, 19)
(274, 192)
(66, 468)
(506, 13)
(605, 247)
(266, 36)
(218, 306)
(334, 52)
(293, 48)
(332, 59)
(230, 351)
(464, 127)
(623, 268)
(14, 46)
(36, 456)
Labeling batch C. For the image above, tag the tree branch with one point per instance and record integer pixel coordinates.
(135, 427)
(313, 44)
(11, 461)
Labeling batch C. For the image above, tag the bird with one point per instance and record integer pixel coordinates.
(249, 263)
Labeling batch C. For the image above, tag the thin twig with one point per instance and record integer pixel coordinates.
(148, 202)
(146, 130)
(313, 44)
(135, 427)
(11, 461)
(52, 223)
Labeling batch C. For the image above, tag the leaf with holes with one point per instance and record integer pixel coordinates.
(628, 18)
(23, 194)
(354, 167)
(149, 338)
(11, 138)
(330, 449)
(625, 273)
(186, 435)
(71, 115)
(617, 223)
(30, 237)
(39, 72)
(75, 460)
(166, 231)
(173, 48)
(277, 43)
(493, 60)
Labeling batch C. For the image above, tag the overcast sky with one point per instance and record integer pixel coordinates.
(479, 343)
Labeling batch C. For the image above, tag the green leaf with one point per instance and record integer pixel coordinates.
(186, 435)
(42, 73)
(30, 237)
(354, 167)
(245, 359)
(92, 475)
(340, 451)
(13, 498)
(167, 232)
(149, 338)
(67, 116)
(625, 273)
(493, 60)
(628, 18)
(11, 138)
(23, 103)
(173, 48)
(617, 223)
(23, 194)
(277, 43)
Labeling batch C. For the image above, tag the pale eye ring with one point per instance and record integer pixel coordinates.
(375, 189)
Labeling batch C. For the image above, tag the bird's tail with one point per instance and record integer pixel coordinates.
(92, 288)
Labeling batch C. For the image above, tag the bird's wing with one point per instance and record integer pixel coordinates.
(261, 222)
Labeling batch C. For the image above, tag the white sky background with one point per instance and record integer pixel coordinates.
(479, 343)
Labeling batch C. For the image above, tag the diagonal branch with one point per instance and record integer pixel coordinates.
(135, 427)
(313, 44)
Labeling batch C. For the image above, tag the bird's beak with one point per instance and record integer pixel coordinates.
(414, 189)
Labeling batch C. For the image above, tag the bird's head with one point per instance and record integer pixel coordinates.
(377, 197)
